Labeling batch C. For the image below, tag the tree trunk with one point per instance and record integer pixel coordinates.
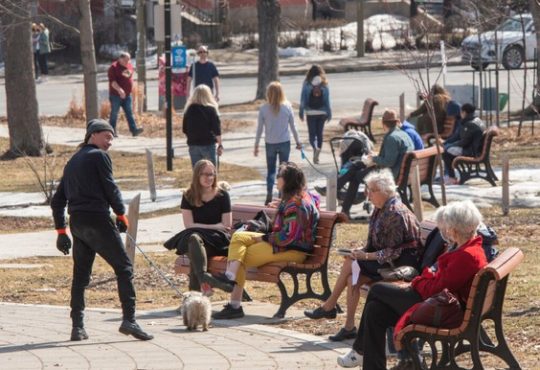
(535, 10)
(268, 14)
(88, 58)
(141, 53)
(360, 47)
(25, 134)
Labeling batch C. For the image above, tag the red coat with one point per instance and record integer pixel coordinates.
(456, 271)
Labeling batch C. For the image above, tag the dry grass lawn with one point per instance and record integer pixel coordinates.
(50, 284)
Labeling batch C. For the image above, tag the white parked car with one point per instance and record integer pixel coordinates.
(510, 52)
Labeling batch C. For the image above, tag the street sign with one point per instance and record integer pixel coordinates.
(159, 22)
(179, 57)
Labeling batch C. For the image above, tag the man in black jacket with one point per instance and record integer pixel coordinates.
(469, 143)
(88, 189)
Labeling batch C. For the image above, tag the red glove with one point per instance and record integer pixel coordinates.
(122, 223)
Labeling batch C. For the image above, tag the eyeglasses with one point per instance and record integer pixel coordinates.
(202, 52)
(208, 174)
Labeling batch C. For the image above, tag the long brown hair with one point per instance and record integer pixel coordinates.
(194, 193)
(316, 70)
(293, 178)
(275, 96)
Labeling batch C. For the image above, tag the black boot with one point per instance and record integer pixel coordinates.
(268, 198)
(197, 260)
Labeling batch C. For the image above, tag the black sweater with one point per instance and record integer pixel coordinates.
(87, 186)
(201, 125)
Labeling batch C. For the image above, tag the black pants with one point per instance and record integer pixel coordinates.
(36, 64)
(385, 304)
(43, 64)
(97, 234)
(354, 178)
(448, 159)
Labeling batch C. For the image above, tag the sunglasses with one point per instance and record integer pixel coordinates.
(202, 52)
(208, 174)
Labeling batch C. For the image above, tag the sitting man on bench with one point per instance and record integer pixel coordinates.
(394, 146)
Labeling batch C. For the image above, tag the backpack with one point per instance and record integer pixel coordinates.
(316, 98)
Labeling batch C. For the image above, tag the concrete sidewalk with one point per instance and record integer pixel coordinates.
(37, 337)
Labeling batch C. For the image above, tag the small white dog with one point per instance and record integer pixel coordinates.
(196, 310)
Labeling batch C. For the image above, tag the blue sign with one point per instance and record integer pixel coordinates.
(179, 56)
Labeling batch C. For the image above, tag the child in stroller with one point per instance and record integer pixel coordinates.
(352, 147)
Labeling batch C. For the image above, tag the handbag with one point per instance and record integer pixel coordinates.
(262, 223)
(406, 273)
(441, 310)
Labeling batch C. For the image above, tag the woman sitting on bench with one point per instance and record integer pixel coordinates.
(387, 302)
(393, 237)
(291, 238)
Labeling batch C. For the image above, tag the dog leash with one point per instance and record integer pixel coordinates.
(155, 266)
(303, 155)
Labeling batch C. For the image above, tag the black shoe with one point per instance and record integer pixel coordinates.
(132, 328)
(228, 312)
(343, 334)
(320, 313)
(137, 131)
(321, 190)
(220, 281)
(78, 333)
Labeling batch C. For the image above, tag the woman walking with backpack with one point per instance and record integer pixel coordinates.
(315, 102)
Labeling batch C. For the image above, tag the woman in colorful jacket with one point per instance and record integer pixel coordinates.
(315, 102)
(291, 239)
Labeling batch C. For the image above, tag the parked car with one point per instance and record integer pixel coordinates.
(511, 51)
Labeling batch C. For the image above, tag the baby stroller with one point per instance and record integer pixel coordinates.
(351, 148)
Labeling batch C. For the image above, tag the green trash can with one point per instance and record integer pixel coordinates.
(503, 100)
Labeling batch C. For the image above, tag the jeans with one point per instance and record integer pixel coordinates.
(126, 104)
(272, 152)
(43, 63)
(97, 234)
(36, 64)
(315, 129)
(384, 305)
(198, 152)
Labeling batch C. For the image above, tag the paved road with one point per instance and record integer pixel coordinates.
(348, 90)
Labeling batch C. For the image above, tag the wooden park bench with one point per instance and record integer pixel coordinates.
(484, 303)
(478, 167)
(426, 161)
(363, 122)
(314, 268)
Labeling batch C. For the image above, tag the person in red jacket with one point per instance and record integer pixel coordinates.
(454, 270)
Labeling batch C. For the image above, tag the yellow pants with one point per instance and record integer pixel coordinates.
(250, 253)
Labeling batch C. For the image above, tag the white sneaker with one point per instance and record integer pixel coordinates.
(351, 359)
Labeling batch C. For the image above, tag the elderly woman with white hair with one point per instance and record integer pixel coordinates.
(387, 302)
(393, 240)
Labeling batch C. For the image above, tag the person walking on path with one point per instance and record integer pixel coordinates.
(88, 189)
(120, 86)
(44, 51)
(204, 72)
(277, 119)
(206, 211)
(35, 49)
(202, 126)
(315, 103)
(291, 239)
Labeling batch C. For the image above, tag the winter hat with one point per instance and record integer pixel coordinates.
(316, 81)
(97, 125)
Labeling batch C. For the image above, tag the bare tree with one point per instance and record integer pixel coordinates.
(88, 58)
(535, 10)
(25, 134)
(268, 15)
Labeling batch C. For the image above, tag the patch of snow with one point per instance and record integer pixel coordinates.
(295, 52)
